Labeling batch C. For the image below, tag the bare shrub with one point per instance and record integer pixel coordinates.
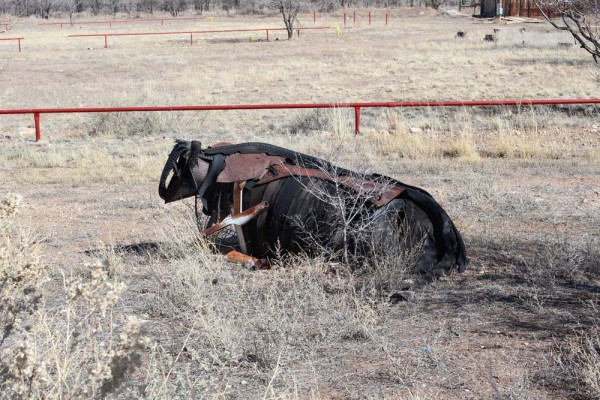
(377, 244)
(585, 352)
(577, 362)
(461, 147)
(316, 120)
(80, 348)
(125, 124)
(21, 275)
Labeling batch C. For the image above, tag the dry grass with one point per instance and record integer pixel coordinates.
(520, 183)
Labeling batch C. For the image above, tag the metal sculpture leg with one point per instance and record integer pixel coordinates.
(238, 190)
(238, 217)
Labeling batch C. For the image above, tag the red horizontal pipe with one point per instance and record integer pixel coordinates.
(13, 38)
(113, 21)
(475, 103)
(194, 32)
(357, 106)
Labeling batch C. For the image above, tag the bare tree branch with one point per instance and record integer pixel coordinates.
(580, 18)
(289, 10)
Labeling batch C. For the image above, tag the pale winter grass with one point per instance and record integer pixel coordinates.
(411, 60)
(520, 183)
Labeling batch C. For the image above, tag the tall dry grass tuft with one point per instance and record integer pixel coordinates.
(462, 147)
(77, 347)
(403, 144)
(241, 320)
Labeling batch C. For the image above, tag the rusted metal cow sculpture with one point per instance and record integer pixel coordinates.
(280, 199)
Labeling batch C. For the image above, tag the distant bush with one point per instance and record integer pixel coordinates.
(125, 124)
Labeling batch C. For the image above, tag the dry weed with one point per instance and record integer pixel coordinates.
(81, 348)
(577, 363)
(264, 320)
(400, 144)
(462, 147)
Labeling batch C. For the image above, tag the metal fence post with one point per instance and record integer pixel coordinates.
(357, 120)
(36, 118)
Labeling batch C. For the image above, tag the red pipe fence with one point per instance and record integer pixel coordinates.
(356, 106)
(370, 17)
(18, 39)
(192, 33)
(110, 22)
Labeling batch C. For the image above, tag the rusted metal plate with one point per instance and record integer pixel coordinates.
(243, 167)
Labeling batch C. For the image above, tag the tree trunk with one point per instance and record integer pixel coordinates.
(289, 26)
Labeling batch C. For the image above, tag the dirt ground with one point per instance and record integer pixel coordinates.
(531, 224)
(489, 332)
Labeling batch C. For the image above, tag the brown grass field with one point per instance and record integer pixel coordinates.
(125, 281)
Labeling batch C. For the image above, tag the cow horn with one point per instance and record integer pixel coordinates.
(180, 148)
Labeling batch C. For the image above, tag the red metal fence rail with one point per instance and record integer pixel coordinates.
(370, 18)
(356, 106)
(110, 22)
(192, 33)
(18, 39)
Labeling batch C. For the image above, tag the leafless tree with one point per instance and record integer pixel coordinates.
(435, 4)
(96, 5)
(289, 10)
(174, 7)
(45, 7)
(71, 6)
(147, 5)
(580, 18)
(131, 6)
(113, 6)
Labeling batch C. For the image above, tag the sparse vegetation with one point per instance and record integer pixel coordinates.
(139, 287)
